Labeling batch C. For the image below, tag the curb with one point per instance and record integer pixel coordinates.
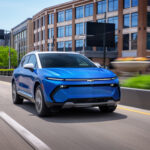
(5, 78)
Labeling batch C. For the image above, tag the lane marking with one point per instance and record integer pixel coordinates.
(132, 110)
(31, 139)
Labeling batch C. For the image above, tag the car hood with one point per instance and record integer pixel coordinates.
(77, 73)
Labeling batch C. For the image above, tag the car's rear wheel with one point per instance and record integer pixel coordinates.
(108, 109)
(15, 97)
(40, 106)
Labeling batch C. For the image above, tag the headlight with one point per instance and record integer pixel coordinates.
(114, 78)
(55, 79)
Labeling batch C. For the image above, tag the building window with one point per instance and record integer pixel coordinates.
(79, 12)
(49, 47)
(126, 3)
(79, 29)
(79, 45)
(50, 33)
(114, 20)
(134, 3)
(116, 45)
(126, 42)
(43, 21)
(40, 36)
(60, 32)
(68, 46)
(61, 16)
(51, 19)
(34, 37)
(68, 14)
(101, 7)
(134, 41)
(43, 34)
(34, 25)
(101, 20)
(126, 21)
(88, 10)
(148, 19)
(38, 21)
(134, 19)
(148, 41)
(69, 30)
(60, 46)
(113, 5)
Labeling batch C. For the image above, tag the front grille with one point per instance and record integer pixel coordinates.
(89, 100)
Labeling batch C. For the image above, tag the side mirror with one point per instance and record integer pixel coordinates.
(97, 65)
(29, 66)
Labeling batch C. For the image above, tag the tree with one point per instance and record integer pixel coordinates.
(4, 57)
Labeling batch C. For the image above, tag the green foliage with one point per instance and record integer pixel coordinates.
(6, 69)
(4, 57)
(141, 82)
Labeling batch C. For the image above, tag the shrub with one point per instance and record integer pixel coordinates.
(141, 82)
(4, 57)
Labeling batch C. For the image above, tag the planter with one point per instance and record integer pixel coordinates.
(135, 98)
(131, 66)
(6, 73)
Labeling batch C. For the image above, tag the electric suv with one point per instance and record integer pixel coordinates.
(64, 80)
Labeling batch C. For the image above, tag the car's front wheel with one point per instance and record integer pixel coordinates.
(15, 97)
(108, 109)
(40, 106)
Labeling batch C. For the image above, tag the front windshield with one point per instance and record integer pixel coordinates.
(57, 60)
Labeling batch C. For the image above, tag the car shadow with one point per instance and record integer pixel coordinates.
(75, 115)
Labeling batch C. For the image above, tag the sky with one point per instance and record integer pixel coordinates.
(13, 12)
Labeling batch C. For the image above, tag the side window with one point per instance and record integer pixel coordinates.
(25, 61)
(22, 61)
(33, 60)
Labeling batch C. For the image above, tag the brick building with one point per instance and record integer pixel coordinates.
(62, 27)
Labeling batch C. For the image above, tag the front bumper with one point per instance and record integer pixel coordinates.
(78, 94)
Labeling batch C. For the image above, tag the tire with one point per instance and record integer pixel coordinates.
(15, 97)
(40, 106)
(107, 109)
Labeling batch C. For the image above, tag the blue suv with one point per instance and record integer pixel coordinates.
(55, 80)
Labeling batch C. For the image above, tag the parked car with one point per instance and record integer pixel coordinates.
(64, 80)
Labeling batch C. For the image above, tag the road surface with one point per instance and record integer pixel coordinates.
(127, 128)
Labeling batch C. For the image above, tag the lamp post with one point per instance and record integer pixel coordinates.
(104, 41)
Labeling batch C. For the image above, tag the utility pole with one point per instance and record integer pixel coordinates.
(104, 41)
(8, 35)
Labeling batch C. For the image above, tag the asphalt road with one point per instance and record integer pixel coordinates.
(75, 129)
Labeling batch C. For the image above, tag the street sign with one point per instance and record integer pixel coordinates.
(1, 34)
(98, 32)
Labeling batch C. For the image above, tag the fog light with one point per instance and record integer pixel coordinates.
(112, 85)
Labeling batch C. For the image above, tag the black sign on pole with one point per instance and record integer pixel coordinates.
(95, 34)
